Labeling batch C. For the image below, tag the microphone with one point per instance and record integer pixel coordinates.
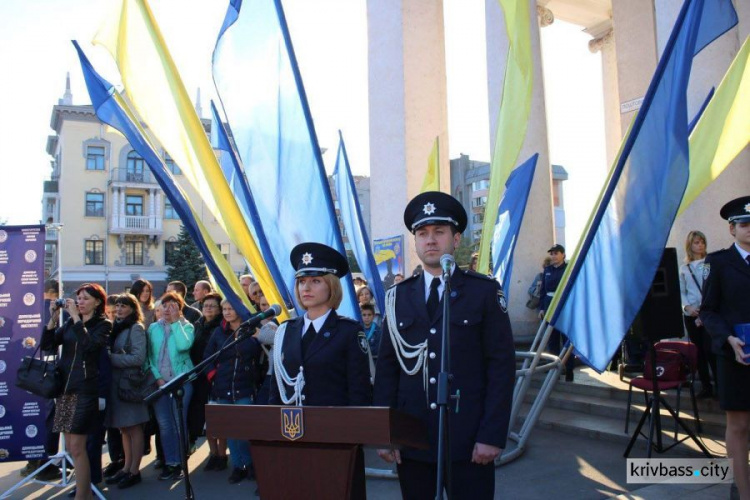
(446, 262)
(255, 320)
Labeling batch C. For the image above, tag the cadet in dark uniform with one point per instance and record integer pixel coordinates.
(482, 358)
(321, 358)
(724, 311)
(551, 277)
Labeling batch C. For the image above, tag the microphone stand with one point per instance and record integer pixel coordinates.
(174, 389)
(443, 399)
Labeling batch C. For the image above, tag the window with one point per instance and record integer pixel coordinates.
(479, 202)
(94, 252)
(224, 249)
(171, 166)
(478, 185)
(134, 205)
(133, 253)
(94, 157)
(135, 167)
(478, 218)
(94, 204)
(170, 252)
(169, 211)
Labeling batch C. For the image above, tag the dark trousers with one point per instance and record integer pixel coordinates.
(52, 439)
(94, 443)
(556, 340)
(702, 340)
(114, 445)
(470, 481)
(196, 416)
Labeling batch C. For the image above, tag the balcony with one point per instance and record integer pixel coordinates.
(124, 177)
(147, 225)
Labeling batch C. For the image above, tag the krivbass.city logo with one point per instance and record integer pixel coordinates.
(679, 470)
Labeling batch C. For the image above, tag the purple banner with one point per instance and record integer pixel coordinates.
(22, 415)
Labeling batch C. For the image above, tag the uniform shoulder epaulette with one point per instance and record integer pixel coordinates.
(347, 319)
(718, 253)
(475, 274)
(405, 280)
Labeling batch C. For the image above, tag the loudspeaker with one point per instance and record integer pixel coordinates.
(660, 316)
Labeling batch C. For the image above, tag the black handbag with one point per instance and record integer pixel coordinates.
(135, 383)
(40, 377)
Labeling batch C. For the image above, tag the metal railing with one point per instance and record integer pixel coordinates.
(137, 177)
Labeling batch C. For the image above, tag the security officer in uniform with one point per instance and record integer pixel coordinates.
(321, 358)
(482, 358)
(551, 277)
(725, 311)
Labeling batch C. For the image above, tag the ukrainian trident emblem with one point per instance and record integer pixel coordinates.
(292, 423)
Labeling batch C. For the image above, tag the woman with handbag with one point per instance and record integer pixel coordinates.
(128, 357)
(691, 285)
(234, 380)
(82, 338)
(169, 342)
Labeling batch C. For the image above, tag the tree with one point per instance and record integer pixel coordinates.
(186, 263)
(463, 253)
(353, 265)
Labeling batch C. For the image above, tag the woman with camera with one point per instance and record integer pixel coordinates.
(82, 338)
(128, 355)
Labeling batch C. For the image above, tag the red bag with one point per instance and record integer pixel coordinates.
(670, 366)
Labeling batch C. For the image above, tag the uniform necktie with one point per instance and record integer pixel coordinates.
(433, 301)
(307, 339)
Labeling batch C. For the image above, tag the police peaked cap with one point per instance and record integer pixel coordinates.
(316, 259)
(434, 208)
(737, 210)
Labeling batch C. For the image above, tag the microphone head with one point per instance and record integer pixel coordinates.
(275, 308)
(446, 261)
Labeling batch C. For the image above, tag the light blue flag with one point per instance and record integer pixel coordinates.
(610, 275)
(105, 99)
(261, 91)
(509, 219)
(233, 172)
(351, 216)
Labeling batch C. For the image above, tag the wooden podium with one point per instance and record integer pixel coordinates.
(317, 454)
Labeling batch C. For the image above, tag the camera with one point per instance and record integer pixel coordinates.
(59, 303)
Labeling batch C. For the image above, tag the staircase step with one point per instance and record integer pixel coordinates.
(612, 430)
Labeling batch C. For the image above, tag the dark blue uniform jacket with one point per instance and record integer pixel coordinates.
(551, 277)
(482, 363)
(726, 297)
(337, 370)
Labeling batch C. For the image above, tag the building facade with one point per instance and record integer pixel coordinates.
(117, 223)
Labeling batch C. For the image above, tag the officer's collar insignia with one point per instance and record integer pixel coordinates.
(362, 341)
(429, 208)
(307, 258)
(706, 270)
(502, 301)
(747, 208)
(292, 423)
(327, 334)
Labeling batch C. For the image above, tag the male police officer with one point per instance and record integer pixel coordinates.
(725, 311)
(482, 358)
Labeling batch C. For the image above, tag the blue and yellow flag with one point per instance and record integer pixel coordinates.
(432, 175)
(610, 274)
(113, 110)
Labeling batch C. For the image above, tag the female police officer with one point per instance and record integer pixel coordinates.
(321, 358)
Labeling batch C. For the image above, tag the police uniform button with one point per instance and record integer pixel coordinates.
(432, 380)
(433, 406)
(432, 355)
(466, 322)
(432, 330)
(303, 398)
(401, 323)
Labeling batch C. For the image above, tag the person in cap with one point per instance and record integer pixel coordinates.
(321, 358)
(482, 358)
(725, 312)
(551, 277)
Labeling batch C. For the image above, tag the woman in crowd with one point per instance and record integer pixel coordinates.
(144, 292)
(204, 327)
(169, 342)
(365, 296)
(82, 337)
(265, 335)
(128, 354)
(233, 383)
(691, 284)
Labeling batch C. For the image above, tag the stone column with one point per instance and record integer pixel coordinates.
(151, 209)
(122, 207)
(115, 206)
(407, 108)
(159, 204)
(537, 233)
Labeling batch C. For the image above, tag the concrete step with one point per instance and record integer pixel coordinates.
(611, 429)
(713, 423)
